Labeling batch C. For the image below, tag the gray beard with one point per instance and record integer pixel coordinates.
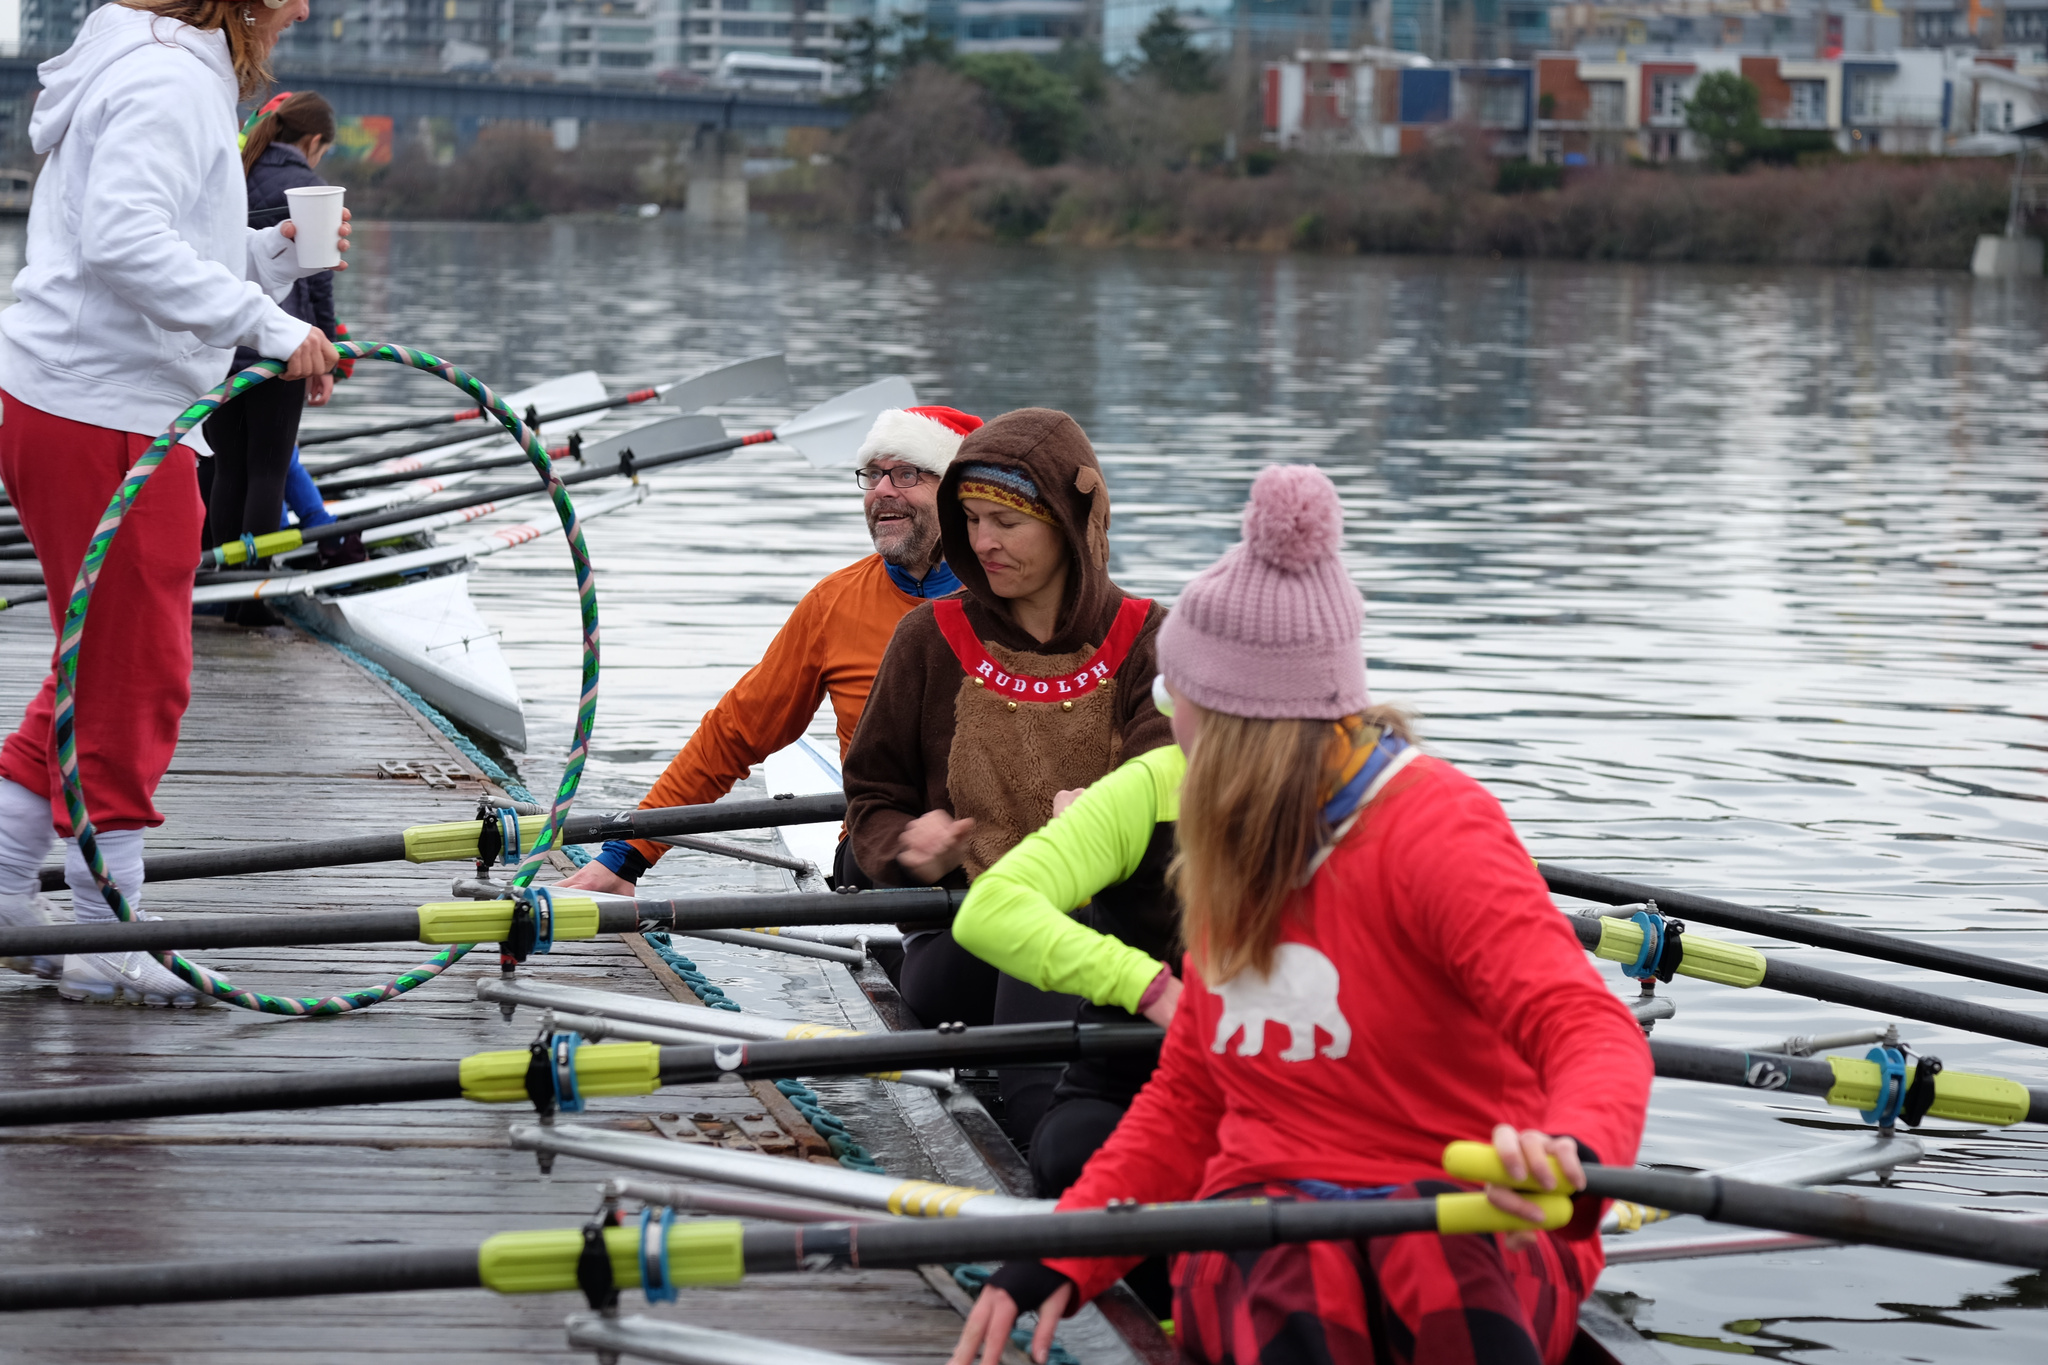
(914, 545)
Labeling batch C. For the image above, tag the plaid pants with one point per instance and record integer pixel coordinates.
(1415, 1299)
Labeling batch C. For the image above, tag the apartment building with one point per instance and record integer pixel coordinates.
(1577, 109)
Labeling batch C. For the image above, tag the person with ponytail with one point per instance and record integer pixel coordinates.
(141, 278)
(254, 437)
(1374, 970)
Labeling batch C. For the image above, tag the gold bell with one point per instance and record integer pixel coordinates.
(1066, 706)
(1012, 705)
(979, 683)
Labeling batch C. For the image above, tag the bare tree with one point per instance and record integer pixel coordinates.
(929, 120)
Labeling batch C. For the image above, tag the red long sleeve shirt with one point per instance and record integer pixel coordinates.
(1425, 989)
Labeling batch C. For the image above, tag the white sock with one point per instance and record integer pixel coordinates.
(25, 838)
(121, 849)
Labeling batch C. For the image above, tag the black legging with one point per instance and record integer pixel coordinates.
(252, 439)
(943, 983)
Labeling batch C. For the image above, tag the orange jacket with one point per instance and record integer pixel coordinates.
(832, 644)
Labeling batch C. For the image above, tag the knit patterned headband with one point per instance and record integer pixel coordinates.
(1005, 487)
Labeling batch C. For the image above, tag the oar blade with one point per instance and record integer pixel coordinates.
(830, 434)
(741, 379)
(656, 439)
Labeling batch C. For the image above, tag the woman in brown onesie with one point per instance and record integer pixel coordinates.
(1036, 679)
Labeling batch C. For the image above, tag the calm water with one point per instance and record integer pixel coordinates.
(1727, 580)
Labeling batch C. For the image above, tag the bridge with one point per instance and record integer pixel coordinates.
(471, 101)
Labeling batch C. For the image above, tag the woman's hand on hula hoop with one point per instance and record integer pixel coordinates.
(319, 389)
(315, 355)
(291, 230)
(1525, 1152)
(988, 1327)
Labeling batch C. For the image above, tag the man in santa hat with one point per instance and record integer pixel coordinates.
(831, 644)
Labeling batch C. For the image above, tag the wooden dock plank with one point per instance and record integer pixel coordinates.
(283, 741)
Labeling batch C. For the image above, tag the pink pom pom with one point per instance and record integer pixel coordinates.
(1293, 520)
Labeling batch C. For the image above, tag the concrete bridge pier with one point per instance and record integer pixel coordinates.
(717, 194)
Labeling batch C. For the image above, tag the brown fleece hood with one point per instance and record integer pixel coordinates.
(1052, 451)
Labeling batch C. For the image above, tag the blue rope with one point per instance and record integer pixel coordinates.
(973, 1277)
(830, 1126)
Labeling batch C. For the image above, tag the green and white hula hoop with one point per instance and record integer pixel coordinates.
(209, 982)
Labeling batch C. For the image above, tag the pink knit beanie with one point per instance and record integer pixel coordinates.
(1272, 630)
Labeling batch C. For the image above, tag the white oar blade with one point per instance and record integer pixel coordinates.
(656, 438)
(741, 379)
(830, 434)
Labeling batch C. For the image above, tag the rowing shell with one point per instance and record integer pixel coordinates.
(426, 633)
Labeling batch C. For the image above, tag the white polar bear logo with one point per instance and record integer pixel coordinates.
(1301, 993)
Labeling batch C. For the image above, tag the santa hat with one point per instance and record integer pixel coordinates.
(926, 437)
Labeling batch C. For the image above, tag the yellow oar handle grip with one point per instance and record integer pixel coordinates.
(456, 841)
(491, 921)
(1959, 1095)
(601, 1069)
(700, 1251)
(1480, 1163)
(1473, 1213)
(1709, 959)
(273, 543)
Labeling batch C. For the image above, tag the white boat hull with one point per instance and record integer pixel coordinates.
(805, 769)
(431, 638)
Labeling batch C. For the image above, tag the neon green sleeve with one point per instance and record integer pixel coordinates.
(1017, 915)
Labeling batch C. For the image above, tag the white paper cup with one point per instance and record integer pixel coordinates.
(316, 215)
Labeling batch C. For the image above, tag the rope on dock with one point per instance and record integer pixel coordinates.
(65, 720)
(467, 747)
(801, 1097)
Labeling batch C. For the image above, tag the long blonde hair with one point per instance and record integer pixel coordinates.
(250, 56)
(1251, 817)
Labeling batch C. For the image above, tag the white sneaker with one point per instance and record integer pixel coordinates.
(126, 979)
(20, 912)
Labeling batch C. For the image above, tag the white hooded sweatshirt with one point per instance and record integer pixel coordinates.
(143, 274)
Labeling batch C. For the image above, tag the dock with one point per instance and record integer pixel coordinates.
(286, 738)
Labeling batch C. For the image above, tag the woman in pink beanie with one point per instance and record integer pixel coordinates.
(1374, 969)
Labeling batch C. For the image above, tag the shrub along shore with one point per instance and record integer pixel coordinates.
(1865, 212)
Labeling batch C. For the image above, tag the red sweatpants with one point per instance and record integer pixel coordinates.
(135, 663)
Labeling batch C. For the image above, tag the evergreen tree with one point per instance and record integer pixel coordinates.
(1044, 115)
(1723, 114)
(1171, 57)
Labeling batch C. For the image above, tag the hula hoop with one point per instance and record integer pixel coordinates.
(212, 983)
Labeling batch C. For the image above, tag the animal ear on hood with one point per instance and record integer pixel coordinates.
(1088, 482)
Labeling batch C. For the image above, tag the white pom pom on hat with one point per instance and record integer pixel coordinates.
(1273, 629)
(927, 437)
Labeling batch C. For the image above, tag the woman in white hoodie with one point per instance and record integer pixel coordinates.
(142, 276)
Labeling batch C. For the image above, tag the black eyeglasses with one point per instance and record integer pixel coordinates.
(903, 476)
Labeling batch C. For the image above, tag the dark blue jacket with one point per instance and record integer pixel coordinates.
(283, 167)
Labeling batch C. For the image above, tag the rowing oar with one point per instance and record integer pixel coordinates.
(717, 385)
(676, 433)
(720, 1251)
(1928, 1090)
(470, 921)
(828, 435)
(1810, 929)
(602, 1259)
(469, 840)
(1732, 964)
(560, 1072)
